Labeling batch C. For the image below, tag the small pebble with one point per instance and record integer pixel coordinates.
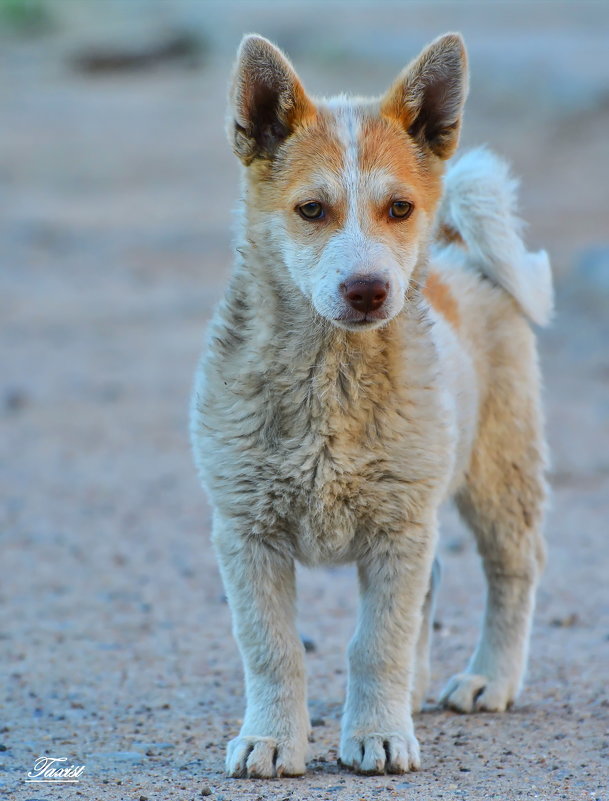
(309, 644)
(318, 722)
(206, 790)
(15, 400)
(565, 622)
(455, 545)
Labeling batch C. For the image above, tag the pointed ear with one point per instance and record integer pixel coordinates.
(267, 101)
(428, 96)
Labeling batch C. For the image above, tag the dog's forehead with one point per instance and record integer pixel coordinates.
(351, 147)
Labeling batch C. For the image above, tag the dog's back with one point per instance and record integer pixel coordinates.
(485, 287)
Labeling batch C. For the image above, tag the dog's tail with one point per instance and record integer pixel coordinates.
(478, 210)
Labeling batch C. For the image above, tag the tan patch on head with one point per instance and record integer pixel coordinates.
(440, 297)
(317, 163)
(385, 147)
(308, 167)
(313, 150)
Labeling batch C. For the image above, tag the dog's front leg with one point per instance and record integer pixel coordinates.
(260, 586)
(378, 733)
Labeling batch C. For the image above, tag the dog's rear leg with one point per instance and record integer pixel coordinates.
(260, 586)
(503, 502)
(421, 670)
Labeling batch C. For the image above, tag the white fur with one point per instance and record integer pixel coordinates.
(480, 203)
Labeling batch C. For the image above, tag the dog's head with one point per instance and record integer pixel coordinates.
(345, 190)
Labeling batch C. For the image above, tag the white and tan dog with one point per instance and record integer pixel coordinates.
(372, 356)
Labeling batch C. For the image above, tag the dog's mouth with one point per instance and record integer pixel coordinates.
(363, 321)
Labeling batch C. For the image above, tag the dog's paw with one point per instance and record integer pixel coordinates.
(378, 753)
(263, 758)
(472, 692)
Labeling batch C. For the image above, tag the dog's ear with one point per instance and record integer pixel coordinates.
(267, 101)
(427, 97)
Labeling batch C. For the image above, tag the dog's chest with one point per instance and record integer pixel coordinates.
(321, 452)
(344, 458)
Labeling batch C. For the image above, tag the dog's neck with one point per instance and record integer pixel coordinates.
(285, 323)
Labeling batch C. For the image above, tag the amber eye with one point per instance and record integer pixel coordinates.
(311, 211)
(400, 209)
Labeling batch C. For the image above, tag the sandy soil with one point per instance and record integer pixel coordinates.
(115, 195)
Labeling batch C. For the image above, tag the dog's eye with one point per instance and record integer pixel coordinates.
(400, 209)
(312, 210)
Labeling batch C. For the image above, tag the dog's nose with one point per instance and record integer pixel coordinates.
(365, 294)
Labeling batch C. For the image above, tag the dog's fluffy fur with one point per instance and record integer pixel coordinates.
(325, 434)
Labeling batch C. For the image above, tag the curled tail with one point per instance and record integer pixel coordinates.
(478, 207)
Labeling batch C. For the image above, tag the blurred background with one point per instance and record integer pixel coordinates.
(116, 194)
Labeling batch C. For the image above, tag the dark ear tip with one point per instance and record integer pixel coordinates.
(450, 41)
(252, 45)
(252, 40)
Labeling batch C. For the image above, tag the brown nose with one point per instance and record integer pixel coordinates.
(365, 294)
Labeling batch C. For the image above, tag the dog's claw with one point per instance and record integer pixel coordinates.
(472, 692)
(378, 753)
(251, 757)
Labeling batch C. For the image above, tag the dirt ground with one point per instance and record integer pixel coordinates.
(116, 190)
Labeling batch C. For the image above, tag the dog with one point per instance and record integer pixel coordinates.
(372, 357)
